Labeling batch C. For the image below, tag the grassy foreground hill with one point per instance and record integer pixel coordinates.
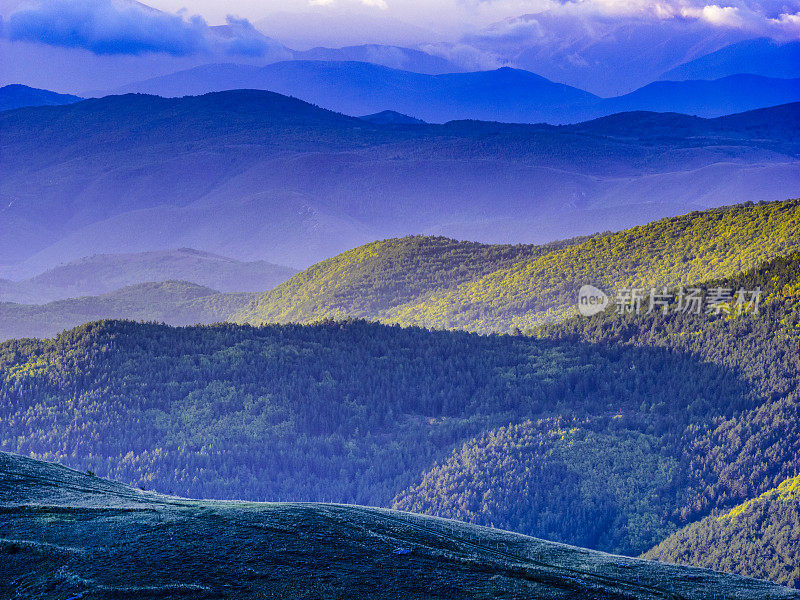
(173, 302)
(746, 539)
(72, 535)
(427, 289)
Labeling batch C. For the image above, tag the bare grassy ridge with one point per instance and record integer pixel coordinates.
(71, 535)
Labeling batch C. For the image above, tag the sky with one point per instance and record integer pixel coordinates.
(92, 44)
(451, 19)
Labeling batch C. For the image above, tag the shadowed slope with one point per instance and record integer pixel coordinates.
(72, 534)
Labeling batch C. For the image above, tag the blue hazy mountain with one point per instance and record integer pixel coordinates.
(761, 56)
(395, 57)
(254, 175)
(19, 96)
(103, 273)
(390, 117)
(728, 95)
(507, 95)
(172, 302)
(358, 88)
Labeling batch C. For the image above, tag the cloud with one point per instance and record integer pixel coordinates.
(466, 56)
(770, 18)
(714, 14)
(107, 27)
(382, 4)
(240, 38)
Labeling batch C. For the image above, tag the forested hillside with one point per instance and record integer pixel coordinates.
(172, 302)
(759, 538)
(611, 432)
(418, 282)
(282, 411)
(643, 483)
(371, 280)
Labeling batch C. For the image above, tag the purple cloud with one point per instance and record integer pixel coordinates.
(127, 27)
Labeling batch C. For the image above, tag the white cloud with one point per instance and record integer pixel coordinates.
(369, 3)
(722, 16)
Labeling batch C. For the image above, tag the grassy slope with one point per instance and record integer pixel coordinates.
(70, 535)
(539, 287)
(174, 302)
(746, 539)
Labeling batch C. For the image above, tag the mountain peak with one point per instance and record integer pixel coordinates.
(16, 95)
(391, 117)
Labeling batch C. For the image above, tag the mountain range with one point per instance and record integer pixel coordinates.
(508, 95)
(258, 176)
(172, 302)
(761, 56)
(459, 425)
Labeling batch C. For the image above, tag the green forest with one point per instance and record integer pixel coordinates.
(737, 444)
(630, 433)
(611, 432)
(759, 538)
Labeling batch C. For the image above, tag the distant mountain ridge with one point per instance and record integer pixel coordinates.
(724, 96)
(259, 176)
(173, 302)
(507, 95)
(21, 96)
(390, 117)
(358, 88)
(761, 56)
(103, 273)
